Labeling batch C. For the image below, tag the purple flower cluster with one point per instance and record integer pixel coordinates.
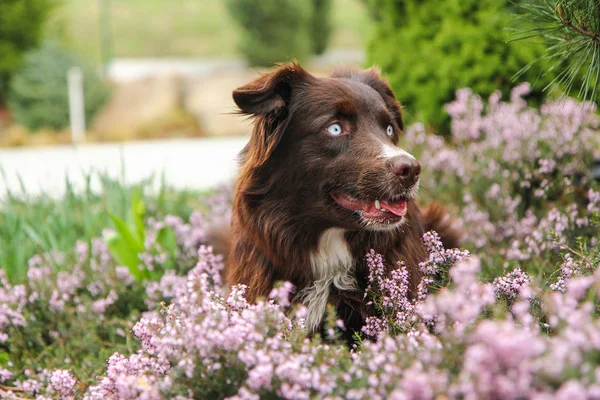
(390, 292)
(518, 174)
(208, 341)
(63, 383)
(511, 284)
(439, 258)
(129, 378)
(568, 269)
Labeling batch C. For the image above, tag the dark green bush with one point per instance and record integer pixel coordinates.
(21, 23)
(430, 48)
(38, 95)
(320, 25)
(273, 30)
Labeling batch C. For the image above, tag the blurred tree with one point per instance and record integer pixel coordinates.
(38, 96)
(571, 31)
(21, 23)
(273, 30)
(321, 25)
(430, 48)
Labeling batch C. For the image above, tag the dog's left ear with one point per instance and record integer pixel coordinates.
(372, 77)
(271, 92)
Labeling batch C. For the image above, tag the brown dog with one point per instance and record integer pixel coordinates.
(321, 183)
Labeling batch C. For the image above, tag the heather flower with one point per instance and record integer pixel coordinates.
(128, 378)
(62, 382)
(375, 327)
(210, 264)
(260, 377)
(439, 258)
(124, 275)
(567, 270)
(511, 285)
(281, 295)
(547, 165)
(31, 386)
(38, 269)
(577, 287)
(236, 299)
(499, 361)
(5, 375)
(100, 306)
(594, 201)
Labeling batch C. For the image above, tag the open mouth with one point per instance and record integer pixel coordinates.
(374, 211)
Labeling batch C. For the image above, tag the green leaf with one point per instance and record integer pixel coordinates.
(127, 235)
(138, 212)
(125, 247)
(124, 254)
(165, 237)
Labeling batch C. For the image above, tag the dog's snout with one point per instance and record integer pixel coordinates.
(407, 169)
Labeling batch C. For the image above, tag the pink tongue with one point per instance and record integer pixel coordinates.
(399, 208)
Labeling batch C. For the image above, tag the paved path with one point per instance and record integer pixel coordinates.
(186, 163)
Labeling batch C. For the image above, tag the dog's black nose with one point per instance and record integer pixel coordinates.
(406, 168)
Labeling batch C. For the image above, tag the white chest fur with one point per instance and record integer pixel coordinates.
(332, 264)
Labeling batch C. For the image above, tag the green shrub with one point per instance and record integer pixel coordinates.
(430, 48)
(320, 25)
(38, 96)
(273, 30)
(21, 23)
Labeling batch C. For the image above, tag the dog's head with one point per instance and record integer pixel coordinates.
(326, 148)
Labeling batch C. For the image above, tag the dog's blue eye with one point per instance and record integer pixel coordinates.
(335, 129)
(390, 130)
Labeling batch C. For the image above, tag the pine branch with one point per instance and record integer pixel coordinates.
(569, 24)
(571, 31)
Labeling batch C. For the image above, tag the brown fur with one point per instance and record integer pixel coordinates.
(290, 167)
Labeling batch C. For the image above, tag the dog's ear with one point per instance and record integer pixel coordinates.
(267, 99)
(372, 77)
(271, 92)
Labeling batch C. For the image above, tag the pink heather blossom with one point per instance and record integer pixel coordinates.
(511, 285)
(577, 287)
(100, 306)
(375, 327)
(571, 390)
(594, 201)
(567, 270)
(281, 295)
(31, 386)
(260, 377)
(124, 275)
(5, 375)
(63, 383)
(438, 256)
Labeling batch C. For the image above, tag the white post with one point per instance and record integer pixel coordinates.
(76, 104)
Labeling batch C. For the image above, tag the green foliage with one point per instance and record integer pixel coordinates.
(273, 30)
(38, 95)
(571, 32)
(21, 23)
(31, 225)
(320, 25)
(428, 49)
